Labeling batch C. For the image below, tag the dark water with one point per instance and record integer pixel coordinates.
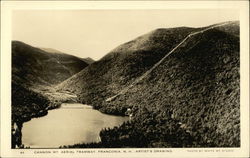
(68, 125)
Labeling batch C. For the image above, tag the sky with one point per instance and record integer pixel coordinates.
(94, 33)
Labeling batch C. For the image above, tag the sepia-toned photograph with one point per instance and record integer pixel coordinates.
(169, 81)
(125, 78)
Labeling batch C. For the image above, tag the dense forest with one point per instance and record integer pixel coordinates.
(122, 65)
(26, 104)
(187, 98)
(191, 99)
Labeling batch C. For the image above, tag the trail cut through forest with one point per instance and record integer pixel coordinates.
(158, 63)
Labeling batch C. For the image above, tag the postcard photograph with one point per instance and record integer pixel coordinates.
(125, 78)
(175, 85)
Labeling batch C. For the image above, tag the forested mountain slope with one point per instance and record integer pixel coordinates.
(122, 66)
(194, 91)
(32, 66)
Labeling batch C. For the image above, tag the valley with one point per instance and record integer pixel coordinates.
(181, 86)
(34, 74)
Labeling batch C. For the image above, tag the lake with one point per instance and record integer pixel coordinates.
(70, 124)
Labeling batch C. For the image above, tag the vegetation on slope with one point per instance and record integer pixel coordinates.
(197, 86)
(34, 71)
(122, 66)
(192, 99)
(37, 70)
(87, 60)
(33, 66)
(26, 104)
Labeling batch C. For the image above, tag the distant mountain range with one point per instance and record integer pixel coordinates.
(87, 60)
(182, 85)
(33, 66)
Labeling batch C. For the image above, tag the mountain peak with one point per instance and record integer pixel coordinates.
(169, 76)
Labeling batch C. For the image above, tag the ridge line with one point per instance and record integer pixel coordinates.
(160, 61)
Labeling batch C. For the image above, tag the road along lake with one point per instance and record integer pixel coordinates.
(70, 124)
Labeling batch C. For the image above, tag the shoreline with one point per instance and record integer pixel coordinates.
(16, 125)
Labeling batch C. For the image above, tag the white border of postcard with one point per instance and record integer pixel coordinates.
(8, 6)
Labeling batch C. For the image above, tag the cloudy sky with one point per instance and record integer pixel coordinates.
(93, 33)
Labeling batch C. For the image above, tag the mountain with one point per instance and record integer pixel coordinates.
(122, 66)
(181, 84)
(87, 60)
(189, 98)
(34, 72)
(32, 66)
(51, 50)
